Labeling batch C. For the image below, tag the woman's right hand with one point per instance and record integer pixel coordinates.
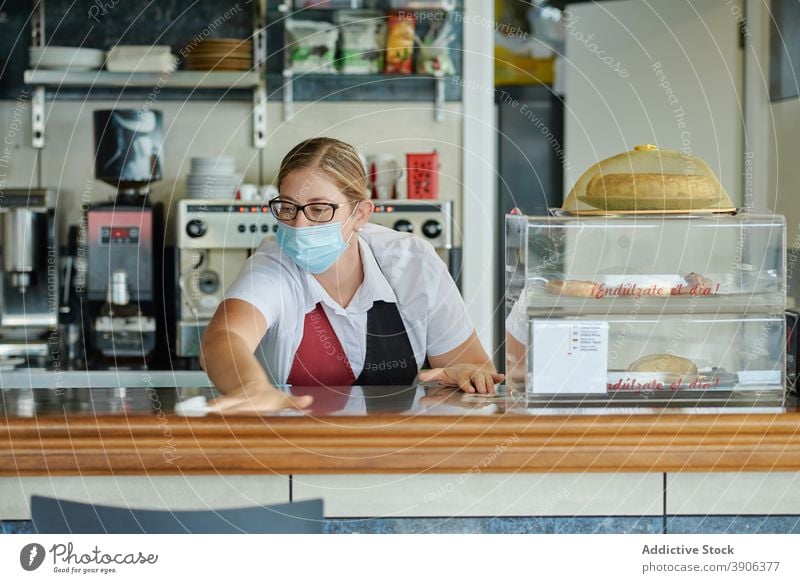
(257, 400)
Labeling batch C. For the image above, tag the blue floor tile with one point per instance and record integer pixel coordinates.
(499, 525)
(609, 525)
(16, 527)
(733, 524)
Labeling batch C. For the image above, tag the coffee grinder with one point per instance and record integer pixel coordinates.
(29, 278)
(125, 239)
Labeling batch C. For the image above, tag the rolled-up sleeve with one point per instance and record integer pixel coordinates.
(265, 284)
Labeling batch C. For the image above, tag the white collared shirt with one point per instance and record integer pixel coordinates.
(398, 267)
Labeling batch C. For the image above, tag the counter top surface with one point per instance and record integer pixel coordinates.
(407, 429)
(369, 401)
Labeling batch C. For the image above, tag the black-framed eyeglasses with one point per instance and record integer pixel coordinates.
(316, 212)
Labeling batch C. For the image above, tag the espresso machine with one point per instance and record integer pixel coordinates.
(125, 240)
(214, 239)
(430, 219)
(30, 278)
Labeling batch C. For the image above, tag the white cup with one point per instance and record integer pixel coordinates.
(248, 192)
(385, 170)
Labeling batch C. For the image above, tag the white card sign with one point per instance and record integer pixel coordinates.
(569, 356)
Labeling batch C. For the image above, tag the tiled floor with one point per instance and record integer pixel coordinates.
(540, 525)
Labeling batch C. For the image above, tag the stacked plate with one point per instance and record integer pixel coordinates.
(221, 54)
(66, 58)
(11, 362)
(212, 178)
(140, 59)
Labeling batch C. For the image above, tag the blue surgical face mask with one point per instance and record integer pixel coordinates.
(313, 248)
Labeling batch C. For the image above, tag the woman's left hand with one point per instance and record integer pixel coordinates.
(450, 397)
(470, 378)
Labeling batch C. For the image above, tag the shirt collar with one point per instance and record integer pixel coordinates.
(375, 286)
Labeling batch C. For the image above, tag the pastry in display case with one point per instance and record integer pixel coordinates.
(647, 297)
(664, 263)
(646, 352)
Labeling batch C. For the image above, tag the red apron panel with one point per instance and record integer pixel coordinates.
(320, 358)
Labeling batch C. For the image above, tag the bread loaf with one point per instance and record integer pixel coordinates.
(644, 185)
(571, 287)
(665, 363)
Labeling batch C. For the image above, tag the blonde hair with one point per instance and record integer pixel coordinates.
(338, 160)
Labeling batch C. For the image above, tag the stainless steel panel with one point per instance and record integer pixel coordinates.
(223, 224)
(189, 337)
(431, 220)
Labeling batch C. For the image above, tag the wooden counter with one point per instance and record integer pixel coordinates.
(433, 431)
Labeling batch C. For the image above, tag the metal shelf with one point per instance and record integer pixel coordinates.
(338, 86)
(175, 79)
(411, 6)
(253, 80)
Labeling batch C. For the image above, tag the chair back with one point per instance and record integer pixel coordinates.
(55, 516)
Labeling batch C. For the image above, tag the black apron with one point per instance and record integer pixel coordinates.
(389, 358)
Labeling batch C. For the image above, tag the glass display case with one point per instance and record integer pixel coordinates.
(645, 303)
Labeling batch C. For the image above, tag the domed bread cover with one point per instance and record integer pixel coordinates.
(648, 180)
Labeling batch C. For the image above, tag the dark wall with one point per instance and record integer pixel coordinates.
(104, 23)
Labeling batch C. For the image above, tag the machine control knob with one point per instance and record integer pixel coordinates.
(432, 229)
(208, 282)
(196, 228)
(404, 226)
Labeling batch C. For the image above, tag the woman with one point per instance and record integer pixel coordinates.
(337, 301)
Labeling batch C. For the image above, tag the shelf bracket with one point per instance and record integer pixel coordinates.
(438, 104)
(260, 65)
(288, 75)
(288, 94)
(260, 115)
(37, 24)
(37, 117)
(37, 99)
